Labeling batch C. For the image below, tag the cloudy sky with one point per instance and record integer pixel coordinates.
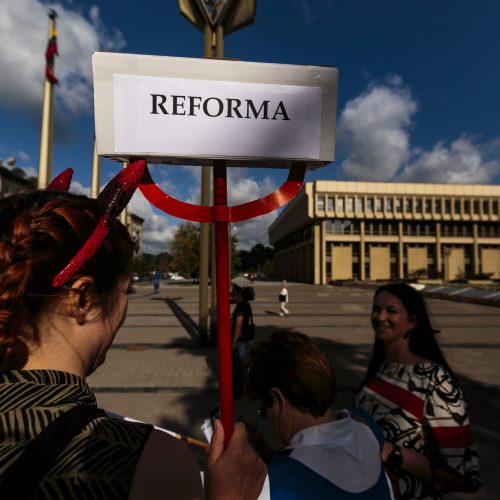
(419, 90)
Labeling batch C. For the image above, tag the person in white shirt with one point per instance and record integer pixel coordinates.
(283, 300)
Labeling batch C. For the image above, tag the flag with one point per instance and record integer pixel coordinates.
(50, 53)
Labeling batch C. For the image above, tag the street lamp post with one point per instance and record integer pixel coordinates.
(214, 18)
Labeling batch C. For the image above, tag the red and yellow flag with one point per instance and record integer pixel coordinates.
(50, 53)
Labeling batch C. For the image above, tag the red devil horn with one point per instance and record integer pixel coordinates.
(112, 200)
(62, 181)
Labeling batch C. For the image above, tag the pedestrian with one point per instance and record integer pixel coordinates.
(242, 332)
(283, 300)
(156, 281)
(412, 393)
(328, 454)
(65, 271)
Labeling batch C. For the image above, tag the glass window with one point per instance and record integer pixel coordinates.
(456, 206)
(485, 207)
(494, 207)
(330, 204)
(340, 204)
(466, 206)
(320, 203)
(369, 204)
(408, 205)
(388, 204)
(378, 204)
(418, 205)
(447, 206)
(359, 204)
(437, 205)
(329, 227)
(476, 206)
(398, 204)
(350, 204)
(428, 206)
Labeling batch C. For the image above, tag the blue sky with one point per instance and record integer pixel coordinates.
(419, 88)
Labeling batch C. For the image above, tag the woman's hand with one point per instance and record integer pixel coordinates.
(236, 473)
(413, 462)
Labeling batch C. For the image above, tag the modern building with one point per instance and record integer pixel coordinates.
(338, 230)
(14, 179)
(135, 228)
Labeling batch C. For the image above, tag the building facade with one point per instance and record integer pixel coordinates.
(338, 230)
(14, 179)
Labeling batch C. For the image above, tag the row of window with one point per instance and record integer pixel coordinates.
(411, 204)
(352, 227)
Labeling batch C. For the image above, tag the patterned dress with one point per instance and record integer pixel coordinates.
(99, 463)
(421, 407)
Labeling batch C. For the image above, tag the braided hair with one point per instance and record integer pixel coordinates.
(40, 231)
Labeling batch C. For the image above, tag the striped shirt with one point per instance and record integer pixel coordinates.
(421, 407)
(99, 463)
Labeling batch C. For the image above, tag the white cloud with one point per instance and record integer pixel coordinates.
(241, 189)
(23, 40)
(373, 131)
(460, 162)
(244, 188)
(157, 232)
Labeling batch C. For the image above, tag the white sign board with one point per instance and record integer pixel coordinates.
(178, 110)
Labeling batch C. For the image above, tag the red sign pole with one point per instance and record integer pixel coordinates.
(223, 312)
(221, 215)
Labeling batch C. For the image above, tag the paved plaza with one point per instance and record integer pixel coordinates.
(156, 372)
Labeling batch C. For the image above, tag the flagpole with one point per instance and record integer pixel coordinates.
(45, 161)
(96, 173)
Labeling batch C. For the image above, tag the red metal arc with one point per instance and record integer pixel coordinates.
(223, 213)
(220, 214)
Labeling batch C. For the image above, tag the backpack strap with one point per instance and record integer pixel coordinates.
(22, 477)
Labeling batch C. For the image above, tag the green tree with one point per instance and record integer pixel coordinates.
(185, 250)
(258, 259)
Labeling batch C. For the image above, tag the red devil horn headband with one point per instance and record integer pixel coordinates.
(112, 200)
(62, 181)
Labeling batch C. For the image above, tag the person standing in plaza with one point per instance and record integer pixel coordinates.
(242, 332)
(283, 300)
(416, 399)
(156, 281)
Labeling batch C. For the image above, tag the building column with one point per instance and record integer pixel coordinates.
(317, 253)
(362, 256)
(400, 251)
(475, 248)
(323, 252)
(439, 264)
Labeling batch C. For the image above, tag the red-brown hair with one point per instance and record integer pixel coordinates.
(292, 362)
(40, 232)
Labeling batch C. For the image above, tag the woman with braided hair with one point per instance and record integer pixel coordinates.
(416, 399)
(65, 270)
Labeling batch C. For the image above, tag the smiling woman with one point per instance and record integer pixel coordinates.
(414, 396)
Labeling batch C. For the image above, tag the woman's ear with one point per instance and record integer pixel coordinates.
(277, 396)
(413, 321)
(79, 299)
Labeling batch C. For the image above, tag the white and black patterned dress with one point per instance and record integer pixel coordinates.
(421, 407)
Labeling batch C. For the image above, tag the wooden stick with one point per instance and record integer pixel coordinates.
(191, 440)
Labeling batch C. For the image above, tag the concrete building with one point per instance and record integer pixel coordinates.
(338, 230)
(135, 228)
(14, 179)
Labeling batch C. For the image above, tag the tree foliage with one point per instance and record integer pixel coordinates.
(185, 250)
(256, 260)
